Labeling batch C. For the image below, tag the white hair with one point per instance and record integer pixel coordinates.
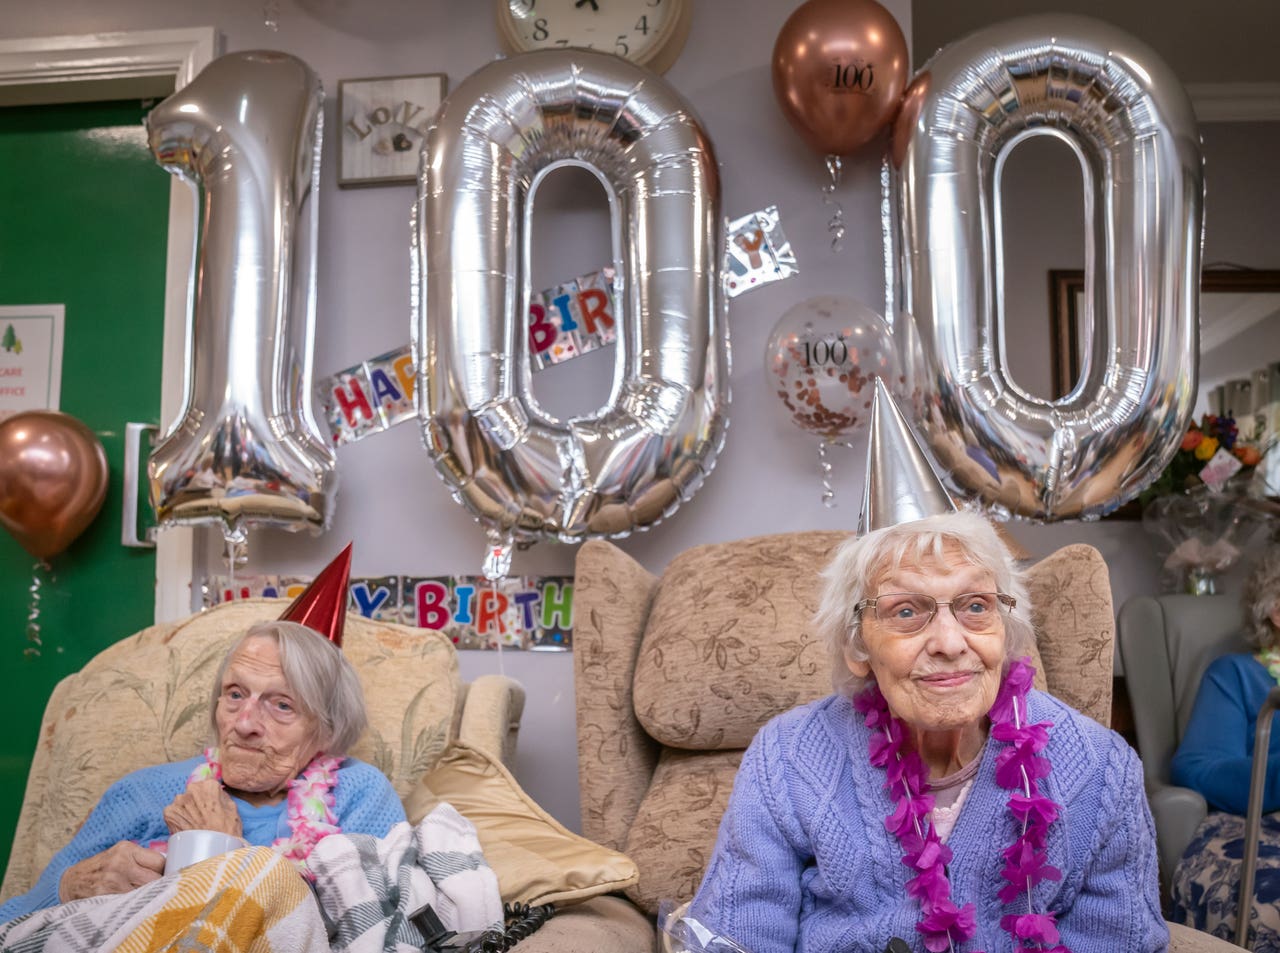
(324, 683)
(861, 561)
(1260, 597)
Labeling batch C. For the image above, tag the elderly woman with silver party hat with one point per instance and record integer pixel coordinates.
(936, 798)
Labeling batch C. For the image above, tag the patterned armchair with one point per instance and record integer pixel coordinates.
(674, 675)
(145, 700)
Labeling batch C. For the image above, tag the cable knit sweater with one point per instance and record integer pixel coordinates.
(803, 861)
(132, 809)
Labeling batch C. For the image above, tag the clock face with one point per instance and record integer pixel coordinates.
(648, 32)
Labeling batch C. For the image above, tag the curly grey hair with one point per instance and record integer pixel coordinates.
(1261, 597)
(861, 561)
(324, 681)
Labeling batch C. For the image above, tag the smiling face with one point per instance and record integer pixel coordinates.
(944, 677)
(265, 738)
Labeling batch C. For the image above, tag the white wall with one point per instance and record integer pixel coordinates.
(766, 480)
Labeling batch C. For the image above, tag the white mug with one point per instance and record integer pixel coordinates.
(190, 847)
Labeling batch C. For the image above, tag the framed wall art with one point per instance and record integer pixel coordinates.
(1236, 305)
(382, 121)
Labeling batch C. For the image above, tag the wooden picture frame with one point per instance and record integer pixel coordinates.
(381, 121)
(1066, 308)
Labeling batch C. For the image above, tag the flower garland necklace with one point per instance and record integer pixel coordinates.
(309, 807)
(1020, 767)
(1270, 660)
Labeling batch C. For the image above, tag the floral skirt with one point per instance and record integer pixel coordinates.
(1206, 884)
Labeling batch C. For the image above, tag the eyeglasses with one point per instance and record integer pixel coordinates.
(906, 613)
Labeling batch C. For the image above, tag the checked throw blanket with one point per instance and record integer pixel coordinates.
(247, 901)
(371, 888)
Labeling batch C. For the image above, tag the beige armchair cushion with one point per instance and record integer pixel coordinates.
(145, 700)
(537, 860)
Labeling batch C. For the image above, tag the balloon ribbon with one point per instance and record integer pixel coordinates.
(835, 227)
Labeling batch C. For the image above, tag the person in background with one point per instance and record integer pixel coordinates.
(1215, 758)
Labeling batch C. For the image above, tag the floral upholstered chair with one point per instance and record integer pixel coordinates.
(674, 676)
(145, 700)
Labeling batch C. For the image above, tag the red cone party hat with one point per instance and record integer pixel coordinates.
(323, 604)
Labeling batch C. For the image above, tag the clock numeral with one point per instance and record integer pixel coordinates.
(643, 24)
(540, 29)
(621, 47)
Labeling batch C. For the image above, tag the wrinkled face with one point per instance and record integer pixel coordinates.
(265, 738)
(943, 677)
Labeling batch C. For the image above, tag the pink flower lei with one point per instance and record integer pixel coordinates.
(309, 811)
(1020, 767)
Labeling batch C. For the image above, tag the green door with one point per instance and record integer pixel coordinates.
(83, 223)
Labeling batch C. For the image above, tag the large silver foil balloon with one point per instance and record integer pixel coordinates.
(521, 472)
(1130, 123)
(246, 449)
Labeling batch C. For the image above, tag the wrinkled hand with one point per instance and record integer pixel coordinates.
(203, 806)
(117, 869)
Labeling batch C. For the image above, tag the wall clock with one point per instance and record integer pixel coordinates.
(382, 122)
(650, 33)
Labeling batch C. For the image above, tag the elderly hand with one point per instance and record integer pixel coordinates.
(117, 869)
(203, 806)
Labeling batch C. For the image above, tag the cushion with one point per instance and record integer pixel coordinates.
(675, 828)
(536, 859)
(730, 640)
(145, 700)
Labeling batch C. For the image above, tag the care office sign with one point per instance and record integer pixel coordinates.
(30, 357)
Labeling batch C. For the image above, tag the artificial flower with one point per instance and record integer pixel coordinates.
(1191, 439)
(1206, 448)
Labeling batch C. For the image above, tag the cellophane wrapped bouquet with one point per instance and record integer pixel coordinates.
(1210, 498)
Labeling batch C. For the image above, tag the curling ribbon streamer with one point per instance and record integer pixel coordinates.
(835, 227)
(41, 573)
(828, 491)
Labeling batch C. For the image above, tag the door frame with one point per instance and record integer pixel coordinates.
(136, 64)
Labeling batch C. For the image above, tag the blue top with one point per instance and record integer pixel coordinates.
(803, 862)
(132, 809)
(1216, 754)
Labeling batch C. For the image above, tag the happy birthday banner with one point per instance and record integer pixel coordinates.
(567, 321)
(521, 612)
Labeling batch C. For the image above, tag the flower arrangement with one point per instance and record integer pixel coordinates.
(1204, 506)
(1212, 453)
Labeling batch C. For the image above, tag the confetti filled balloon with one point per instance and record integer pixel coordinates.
(822, 359)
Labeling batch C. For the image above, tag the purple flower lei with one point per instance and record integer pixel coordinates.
(1020, 767)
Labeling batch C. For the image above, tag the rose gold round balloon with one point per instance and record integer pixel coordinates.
(839, 68)
(53, 479)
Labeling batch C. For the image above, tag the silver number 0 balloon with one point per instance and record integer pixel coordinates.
(246, 449)
(1124, 113)
(521, 472)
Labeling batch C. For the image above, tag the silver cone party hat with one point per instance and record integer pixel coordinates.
(901, 484)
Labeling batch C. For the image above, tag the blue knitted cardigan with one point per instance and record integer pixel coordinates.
(803, 861)
(132, 809)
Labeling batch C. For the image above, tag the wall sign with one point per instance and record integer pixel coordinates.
(383, 120)
(30, 357)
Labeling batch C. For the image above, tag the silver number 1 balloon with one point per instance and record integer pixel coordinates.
(1130, 123)
(521, 472)
(246, 449)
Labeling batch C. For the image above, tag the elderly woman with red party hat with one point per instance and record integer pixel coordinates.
(936, 801)
(286, 706)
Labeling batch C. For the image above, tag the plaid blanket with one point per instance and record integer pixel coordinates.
(372, 889)
(247, 901)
